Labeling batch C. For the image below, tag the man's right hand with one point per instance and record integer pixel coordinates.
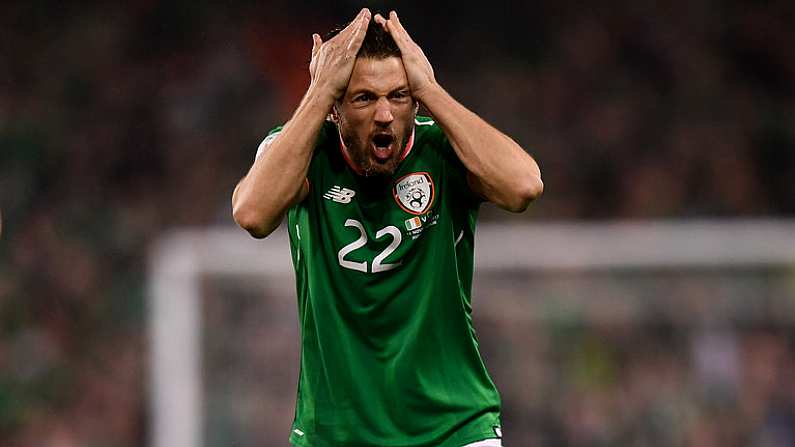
(277, 180)
(332, 61)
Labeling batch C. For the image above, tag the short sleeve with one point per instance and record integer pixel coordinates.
(268, 140)
(457, 171)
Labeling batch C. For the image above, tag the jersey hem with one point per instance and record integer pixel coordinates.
(297, 441)
(472, 439)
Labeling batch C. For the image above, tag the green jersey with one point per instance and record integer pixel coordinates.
(384, 275)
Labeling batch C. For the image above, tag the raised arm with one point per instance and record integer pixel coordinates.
(499, 169)
(276, 180)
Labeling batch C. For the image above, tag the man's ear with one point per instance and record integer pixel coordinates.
(334, 116)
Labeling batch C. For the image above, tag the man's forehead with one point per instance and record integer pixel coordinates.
(378, 75)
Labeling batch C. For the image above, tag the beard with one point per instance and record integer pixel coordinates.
(378, 154)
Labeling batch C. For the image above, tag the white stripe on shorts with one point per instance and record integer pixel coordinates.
(486, 443)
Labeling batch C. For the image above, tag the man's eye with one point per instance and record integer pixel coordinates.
(399, 95)
(361, 98)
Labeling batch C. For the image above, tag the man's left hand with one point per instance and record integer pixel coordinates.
(418, 69)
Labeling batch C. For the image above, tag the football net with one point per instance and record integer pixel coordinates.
(628, 333)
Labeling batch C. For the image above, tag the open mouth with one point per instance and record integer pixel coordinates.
(383, 145)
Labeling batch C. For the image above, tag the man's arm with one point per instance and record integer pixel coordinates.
(499, 169)
(275, 181)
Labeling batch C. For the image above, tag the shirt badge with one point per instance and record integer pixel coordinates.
(414, 192)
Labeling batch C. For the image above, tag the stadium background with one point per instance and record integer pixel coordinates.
(121, 121)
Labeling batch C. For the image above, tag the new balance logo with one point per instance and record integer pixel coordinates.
(339, 195)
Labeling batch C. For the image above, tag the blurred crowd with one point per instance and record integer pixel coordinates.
(120, 121)
(656, 384)
(664, 359)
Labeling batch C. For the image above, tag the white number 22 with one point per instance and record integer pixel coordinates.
(378, 266)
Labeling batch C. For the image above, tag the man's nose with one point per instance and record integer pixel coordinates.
(383, 111)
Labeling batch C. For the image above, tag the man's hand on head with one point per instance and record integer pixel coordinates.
(332, 61)
(418, 69)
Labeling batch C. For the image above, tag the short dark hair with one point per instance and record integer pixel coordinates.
(377, 43)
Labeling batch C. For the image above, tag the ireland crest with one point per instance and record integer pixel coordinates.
(414, 192)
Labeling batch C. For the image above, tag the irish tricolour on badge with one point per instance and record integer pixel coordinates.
(414, 192)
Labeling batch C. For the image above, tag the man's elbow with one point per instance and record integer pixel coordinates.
(252, 222)
(534, 188)
(528, 191)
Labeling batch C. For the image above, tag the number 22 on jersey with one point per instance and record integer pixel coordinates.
(378, 265)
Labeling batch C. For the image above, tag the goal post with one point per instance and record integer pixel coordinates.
(180, 259)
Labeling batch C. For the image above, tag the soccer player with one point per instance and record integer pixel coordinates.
(381, 207)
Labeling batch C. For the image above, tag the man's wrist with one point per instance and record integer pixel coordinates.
(320, 95)
(427, 93)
